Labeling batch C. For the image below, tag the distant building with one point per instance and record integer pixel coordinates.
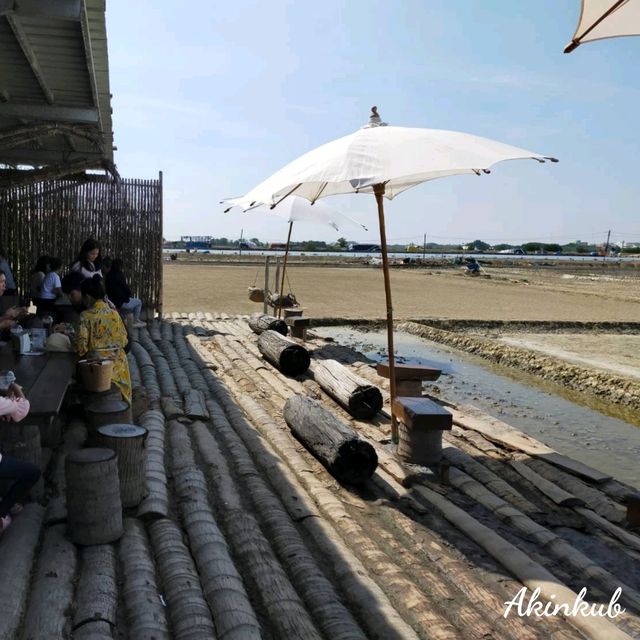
(196, 242)
(364, 248)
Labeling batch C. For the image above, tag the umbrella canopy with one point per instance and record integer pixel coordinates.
(385, 161)
(398, 157)
(296, 209)
(605, 19)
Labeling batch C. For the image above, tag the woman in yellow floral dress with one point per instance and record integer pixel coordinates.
(102, 332)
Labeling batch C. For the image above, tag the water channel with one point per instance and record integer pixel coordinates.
(607, 443)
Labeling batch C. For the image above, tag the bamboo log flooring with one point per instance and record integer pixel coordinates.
(243, 534)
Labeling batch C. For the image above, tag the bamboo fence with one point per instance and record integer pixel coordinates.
(55, 217)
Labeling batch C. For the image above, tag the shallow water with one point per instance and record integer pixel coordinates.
(609, 444)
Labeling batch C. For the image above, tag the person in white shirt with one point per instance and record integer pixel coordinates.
(37, 278)
(51, 286)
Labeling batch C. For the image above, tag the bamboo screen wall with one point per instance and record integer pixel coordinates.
(57, 216)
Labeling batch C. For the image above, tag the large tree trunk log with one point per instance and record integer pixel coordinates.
(187, 609)
(335, 444)
(156, 504)
(260, 322)
(358, 396)
(144, 611)
(127, 440)
(52, 590)
(93, 496)
(97, 591)
(17, 548)
(288, 356)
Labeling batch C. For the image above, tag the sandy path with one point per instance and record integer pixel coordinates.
(359, 293)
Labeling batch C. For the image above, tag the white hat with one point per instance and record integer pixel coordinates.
(58, 342)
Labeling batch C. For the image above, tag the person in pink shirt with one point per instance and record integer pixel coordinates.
(14, 407)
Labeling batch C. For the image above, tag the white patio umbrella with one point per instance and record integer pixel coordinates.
(605, 19)
(385, 161)
(295, 209)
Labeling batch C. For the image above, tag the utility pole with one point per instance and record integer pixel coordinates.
(240, 243)
(606, 246)
(424, 247)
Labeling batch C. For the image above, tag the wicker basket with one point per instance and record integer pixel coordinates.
(256, 295)
(96, 375)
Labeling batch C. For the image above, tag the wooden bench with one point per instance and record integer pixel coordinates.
(409, 377)
(420, 425)
(298, 326)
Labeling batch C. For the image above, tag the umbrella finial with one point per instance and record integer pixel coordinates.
(374, 119)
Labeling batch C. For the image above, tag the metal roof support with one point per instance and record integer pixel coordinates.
(88, 115)
(51, 172)
(88, 48)
(19, 135)
(60, 9)
(29, 54)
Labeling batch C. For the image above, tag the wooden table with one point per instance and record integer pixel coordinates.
(43, 378)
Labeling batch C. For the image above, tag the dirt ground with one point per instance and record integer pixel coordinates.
(324, 291)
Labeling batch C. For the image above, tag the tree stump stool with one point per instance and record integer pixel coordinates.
(420, 426)
(22, 441)
(94, 509)
(409, 377)
(89, 397)
(127, 440)
(106, 411)
(298, 326)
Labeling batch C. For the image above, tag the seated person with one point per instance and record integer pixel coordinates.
(37, 278)
(119, 292)
(102, 333)
(14, 406)
(69, 307)
(51, 287)
(11, 316)
(89, 260)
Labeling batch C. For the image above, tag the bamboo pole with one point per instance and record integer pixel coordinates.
(284, 268)
(378, 190)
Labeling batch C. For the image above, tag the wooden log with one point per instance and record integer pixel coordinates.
(358, 396)
(94, 630)
(94, 509)
(127, 440)
(139, 402)
(156, 503)
(144, 611)
(187, 609)
(17, 550)
(559, 496)
(170, 409)
(335, 444)
(52, 588)
(97, 590)
(194, 405)
(285, 354)
(260, 322)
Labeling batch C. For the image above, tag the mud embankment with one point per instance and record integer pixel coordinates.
(602, 385)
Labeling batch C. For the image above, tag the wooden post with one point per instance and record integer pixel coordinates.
(94, 509)
(334, 443)
(285, 354)
(265, 303)
(127, 440)
(378, 190)
(358, 396)
(284, 268)
(259, 322)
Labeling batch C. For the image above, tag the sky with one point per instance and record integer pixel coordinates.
(220, 95)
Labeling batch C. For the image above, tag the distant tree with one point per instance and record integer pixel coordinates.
(256, 241)
(308, 245)
(553, 248)
(342, 243)
(479, 245)
(532, 247)
(502, 247)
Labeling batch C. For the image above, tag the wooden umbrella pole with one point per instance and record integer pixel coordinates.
(378, 190)
(284, 269)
